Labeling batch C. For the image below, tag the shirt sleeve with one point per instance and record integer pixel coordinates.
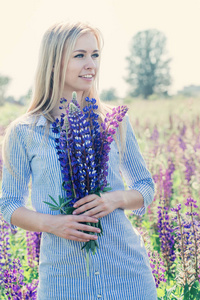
(15, 181)
(134, 170)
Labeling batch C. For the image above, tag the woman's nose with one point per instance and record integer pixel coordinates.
(90, 64)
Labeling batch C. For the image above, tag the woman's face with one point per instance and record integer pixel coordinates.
(83, 64)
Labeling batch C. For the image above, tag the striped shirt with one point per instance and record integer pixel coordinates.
(120, 268)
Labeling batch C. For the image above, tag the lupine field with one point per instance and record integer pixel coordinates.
(168, 132)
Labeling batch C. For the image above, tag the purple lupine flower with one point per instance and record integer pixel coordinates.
(4, 247)
(182, 144)
(187, 237)
(166, 236)
(190, 168)
(109, 129)
(83, 150)
(194, 232)
(157, 266)
(183, 130)
(76, 155)
(167, 181)
(164, 183)
(13, 280)
(156, 262)
(33, 248)
(155, 134)
(30, 290)
(97, 142)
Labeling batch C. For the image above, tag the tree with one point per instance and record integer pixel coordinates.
(147, 65)
(4, 81)
(190, 91)
(108, 95)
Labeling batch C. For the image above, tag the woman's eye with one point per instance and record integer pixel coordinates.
(79, 55)
(95, 55)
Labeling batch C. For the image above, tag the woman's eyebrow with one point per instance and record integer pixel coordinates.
(84, 51)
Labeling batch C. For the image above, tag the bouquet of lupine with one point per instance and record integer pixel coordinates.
(83, 149)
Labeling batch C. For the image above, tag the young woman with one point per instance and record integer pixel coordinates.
(69, 61)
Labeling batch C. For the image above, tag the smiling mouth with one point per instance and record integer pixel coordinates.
(87, 76)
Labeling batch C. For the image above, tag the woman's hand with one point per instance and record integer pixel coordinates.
(70, 227)
(95, 206)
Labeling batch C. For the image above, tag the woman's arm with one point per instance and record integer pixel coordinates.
(99, 207)
(15, 194)
(130, 199)
(67, 227)
(135, 172)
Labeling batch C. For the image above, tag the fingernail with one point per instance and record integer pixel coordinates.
(99, 230)
(75, 205)
(74, 212)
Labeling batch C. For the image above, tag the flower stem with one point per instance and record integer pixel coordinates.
(182, 246)
(87, 263)
(196, 247)
(70, 165)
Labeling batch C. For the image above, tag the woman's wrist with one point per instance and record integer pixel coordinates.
(31, 220)
(46, 223)
(129, 199)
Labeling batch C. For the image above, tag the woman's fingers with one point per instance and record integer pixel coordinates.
(84, 227)
(84, 207)
(85, 199)
(84, 219)
(82, 235)
(72, 227)
(95, 203)
(75, 238)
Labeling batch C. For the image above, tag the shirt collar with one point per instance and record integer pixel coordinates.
(42, 121)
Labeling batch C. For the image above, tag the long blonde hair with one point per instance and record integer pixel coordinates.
(57, 44)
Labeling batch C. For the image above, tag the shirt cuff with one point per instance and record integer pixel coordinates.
(9, 208)
(146, 189)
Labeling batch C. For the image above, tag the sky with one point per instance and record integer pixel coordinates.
(23, 23)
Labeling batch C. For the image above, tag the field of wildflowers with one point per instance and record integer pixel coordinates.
(168, 132)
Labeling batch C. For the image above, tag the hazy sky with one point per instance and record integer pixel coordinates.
(23, 22)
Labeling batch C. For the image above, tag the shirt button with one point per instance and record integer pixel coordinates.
(96, 273)
(98, 296)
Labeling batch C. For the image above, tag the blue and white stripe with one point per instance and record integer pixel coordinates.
(120, 269)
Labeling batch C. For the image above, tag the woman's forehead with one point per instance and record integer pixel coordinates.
(87, 41)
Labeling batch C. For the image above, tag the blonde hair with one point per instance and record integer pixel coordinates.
(57, 44)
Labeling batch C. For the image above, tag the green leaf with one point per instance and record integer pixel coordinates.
(194, 290)
(186, 292)
(160, 292)
(65, 203)
(54, 209)
(69, 210)
(50, 204)
(93, 246)
(60, 200)
(88, 246)
(53, 200)
(106, 189)
(69, 182)
(100, 227)
(99, 194)
(83, 246)
(96, 243)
